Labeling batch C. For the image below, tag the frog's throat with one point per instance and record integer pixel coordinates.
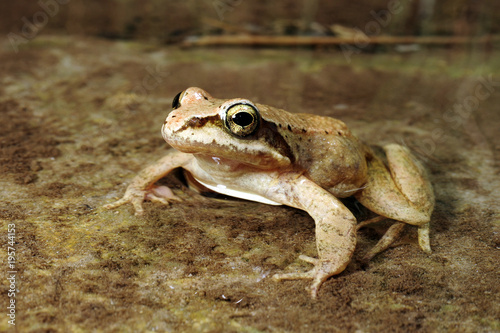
(223, 189)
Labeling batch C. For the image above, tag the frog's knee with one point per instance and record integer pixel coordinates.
(414, 216)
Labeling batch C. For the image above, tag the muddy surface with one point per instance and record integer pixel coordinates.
(80, 117)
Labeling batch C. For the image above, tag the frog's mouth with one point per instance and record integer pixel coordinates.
(211, 140)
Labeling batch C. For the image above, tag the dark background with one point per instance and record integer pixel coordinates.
(167, 20)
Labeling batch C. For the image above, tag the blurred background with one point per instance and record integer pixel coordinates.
(169, 21)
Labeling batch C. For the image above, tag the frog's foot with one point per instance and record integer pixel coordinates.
(322, 270)
(136, 197)
(424, 239)
(385, 242)
(390, 236)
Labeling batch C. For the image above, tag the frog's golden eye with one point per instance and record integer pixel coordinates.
(176, 103)
(242, 119)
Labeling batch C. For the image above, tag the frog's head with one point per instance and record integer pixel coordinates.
(233, 129)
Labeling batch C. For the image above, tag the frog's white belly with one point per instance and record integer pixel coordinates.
(223, 189)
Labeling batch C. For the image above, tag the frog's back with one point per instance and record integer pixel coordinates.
(325, 149)
(304, 123)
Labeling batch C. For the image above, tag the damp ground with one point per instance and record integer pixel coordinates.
(80, 117)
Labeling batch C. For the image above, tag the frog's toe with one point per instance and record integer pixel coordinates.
(133, 196)
(299, 275)
(115, 204)
(310, 260)
(319, 279)
(423, 238)
(319, 274)
(137, 203)
(295, 276)
(139, 211)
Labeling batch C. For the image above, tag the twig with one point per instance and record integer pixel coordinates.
(324, 40)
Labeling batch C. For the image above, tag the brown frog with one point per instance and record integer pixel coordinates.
(257, 152)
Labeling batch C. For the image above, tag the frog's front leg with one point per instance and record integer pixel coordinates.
(335, 227)
(142, 186)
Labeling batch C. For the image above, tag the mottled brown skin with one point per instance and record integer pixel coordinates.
(305, 161)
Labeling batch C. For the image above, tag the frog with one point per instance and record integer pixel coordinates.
(239, 148)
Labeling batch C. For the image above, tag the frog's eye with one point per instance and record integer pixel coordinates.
(176, 103)
(242, 119)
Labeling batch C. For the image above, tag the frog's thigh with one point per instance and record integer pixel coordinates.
(402, 193)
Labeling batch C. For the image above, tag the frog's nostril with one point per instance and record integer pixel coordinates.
(169, 118)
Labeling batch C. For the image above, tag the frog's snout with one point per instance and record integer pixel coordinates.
(166, 127)
(170, 121)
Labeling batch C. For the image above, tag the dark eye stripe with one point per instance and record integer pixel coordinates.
(269, 132)
(200, 122)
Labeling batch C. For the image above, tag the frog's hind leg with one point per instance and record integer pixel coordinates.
(385, 242)
(399, 191)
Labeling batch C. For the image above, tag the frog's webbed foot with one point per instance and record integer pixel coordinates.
(321, 271)
(137, 196)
